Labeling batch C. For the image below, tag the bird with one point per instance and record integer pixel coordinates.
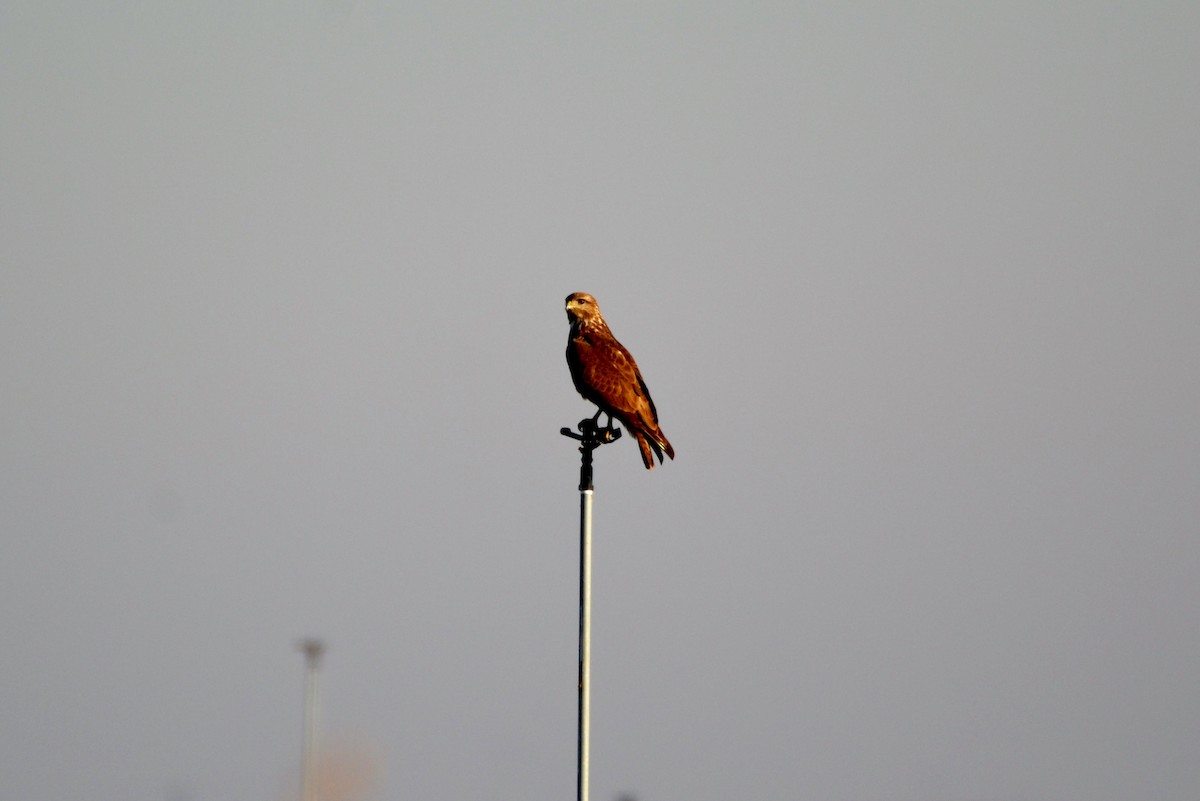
(605, 373)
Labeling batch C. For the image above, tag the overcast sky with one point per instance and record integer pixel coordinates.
(914, 286)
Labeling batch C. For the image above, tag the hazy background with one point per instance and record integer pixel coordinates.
(915, 288)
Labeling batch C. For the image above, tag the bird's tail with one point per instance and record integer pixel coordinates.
(653, 444)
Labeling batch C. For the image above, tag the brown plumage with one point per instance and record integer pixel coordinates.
(606, 374)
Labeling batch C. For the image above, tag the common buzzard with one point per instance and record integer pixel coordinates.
(606, 374)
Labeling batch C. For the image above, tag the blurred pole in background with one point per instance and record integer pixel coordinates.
(312, 650)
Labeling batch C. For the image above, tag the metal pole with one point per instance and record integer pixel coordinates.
(590, 438)
(312, 660)
(585, 640)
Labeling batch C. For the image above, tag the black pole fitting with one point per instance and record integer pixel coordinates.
(591, 436)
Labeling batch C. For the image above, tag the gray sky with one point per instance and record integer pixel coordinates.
(281, 327)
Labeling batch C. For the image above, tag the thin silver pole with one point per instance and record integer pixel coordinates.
(591, 436)
(585, 638)
(312, 661)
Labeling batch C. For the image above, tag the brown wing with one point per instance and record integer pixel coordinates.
(606, 374)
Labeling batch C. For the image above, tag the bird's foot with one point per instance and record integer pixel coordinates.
(592, 429)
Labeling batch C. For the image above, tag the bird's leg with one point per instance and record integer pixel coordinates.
(591, 427)
(608, 427)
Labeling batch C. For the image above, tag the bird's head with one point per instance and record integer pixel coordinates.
(582, 307)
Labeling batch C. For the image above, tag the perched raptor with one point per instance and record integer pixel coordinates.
(606, 374)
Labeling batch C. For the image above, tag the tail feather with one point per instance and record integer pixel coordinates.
(652, 446)
(645, 443)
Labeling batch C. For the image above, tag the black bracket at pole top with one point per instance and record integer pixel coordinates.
(591, 436)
